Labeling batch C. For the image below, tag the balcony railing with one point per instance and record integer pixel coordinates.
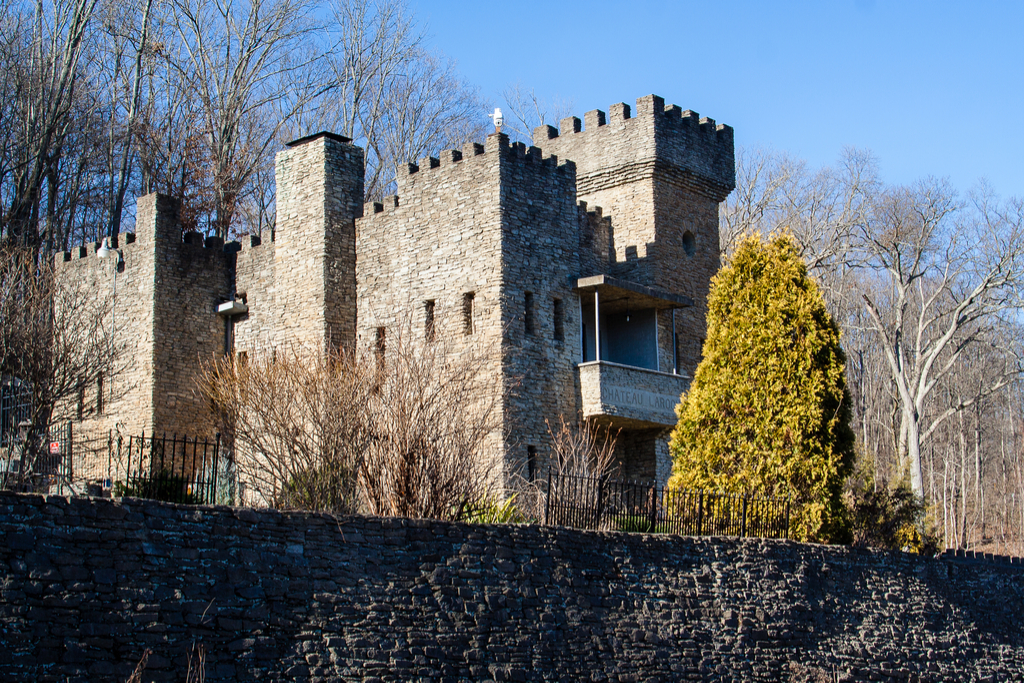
(630, 395)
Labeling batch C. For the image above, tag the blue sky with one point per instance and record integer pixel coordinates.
(930, 88)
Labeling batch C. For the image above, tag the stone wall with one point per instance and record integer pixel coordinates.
(89, 584)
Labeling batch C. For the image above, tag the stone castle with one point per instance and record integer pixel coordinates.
(586, 258)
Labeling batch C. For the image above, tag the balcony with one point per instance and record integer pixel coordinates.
(629, 376)
(630, 397)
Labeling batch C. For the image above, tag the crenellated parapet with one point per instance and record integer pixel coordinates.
(624, 146)
(471, 163)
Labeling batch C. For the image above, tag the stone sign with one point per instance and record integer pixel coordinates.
(662, 405)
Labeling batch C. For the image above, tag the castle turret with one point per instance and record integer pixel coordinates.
(162, 289)
(319, 196)
(658, 175)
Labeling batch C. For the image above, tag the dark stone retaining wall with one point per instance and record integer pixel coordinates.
(86, 585)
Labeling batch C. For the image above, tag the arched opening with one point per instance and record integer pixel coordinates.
(689, 243)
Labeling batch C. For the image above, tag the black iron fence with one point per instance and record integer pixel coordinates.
(174, 469)
(15, 408)
(41, 462)
(600, 503)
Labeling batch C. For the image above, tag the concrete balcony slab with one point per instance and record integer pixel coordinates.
(630, 397)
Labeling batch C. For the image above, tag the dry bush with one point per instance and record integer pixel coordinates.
(583, 457)
(297, 423)
(434, 409)
(396, 432)
(582, 448)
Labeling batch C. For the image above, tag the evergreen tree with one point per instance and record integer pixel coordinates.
(768, 412)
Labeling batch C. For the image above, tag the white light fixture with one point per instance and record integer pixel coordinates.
(104, 251)
(498, 119)
(230, 308)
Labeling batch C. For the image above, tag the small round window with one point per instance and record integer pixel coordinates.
(689, 243)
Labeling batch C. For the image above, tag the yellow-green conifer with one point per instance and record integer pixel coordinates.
(768, 412)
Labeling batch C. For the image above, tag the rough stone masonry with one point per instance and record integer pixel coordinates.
(87, 585)
(580, 264)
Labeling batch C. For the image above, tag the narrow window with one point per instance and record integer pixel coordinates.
(528, 313)
(428, 320)
(559, 320)
(531, 462)
(380, 349)
(99, 395)
(689, 243)
(467, 312)
(242, 359)
(81, 398)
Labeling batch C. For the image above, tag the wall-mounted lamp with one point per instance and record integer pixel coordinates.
(231, 308)
(104, 251)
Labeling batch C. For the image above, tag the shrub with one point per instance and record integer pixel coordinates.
(768, 411)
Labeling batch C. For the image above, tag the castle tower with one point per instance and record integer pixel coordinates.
(478, 250)
(163, 289)
(319, 195)
(659, 175)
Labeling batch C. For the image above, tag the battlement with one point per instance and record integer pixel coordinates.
(497, 143)
(250, 243)
(469, 160)
(650, 106)
(192, 239)
(680, 143)
(157, 222)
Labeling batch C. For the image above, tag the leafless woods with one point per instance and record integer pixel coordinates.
(102, 101)
(925, 284)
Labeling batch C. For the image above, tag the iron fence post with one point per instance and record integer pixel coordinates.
(743, 526)
(787, 518)
(547, 499)
(700, 515)
(653, 508)
(216, 467)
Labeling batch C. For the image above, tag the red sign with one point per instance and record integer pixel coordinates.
(54, 447)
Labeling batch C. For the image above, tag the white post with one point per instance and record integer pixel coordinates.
(675, 346)
(597, 325)
(657, 343)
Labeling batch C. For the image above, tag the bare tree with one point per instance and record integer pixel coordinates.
(525, 110)
(251, 65)
(55, 343)
(128, 45)
(47, 50)
(821, 209)
(391, 96)
(297, 424)
(433, 414)
(943, 283)
(429, 108)
(582, 448)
